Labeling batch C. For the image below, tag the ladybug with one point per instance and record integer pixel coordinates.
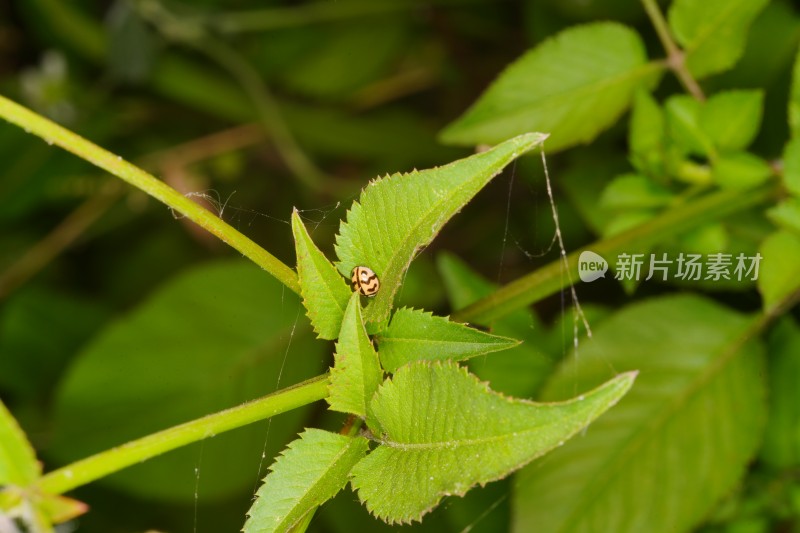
(365, 281)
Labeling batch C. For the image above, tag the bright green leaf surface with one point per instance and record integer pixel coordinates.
(210, 339)
(781, 448)
(740, 170)
(646, 135)
(787, 214)
(731, 119)
(415, 335)
(356, 372)
(308, 473)
(683, 125)
(18, 465)
(573, 86)
(633, 191)
(398, 215)
(713, 33)
(518, 371)
(791, 166)
(325, 293)
(780, 264)
(794, 99)
(445, 431)
(679, 441)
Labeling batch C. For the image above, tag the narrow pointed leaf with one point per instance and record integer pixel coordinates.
(680, 440)
(310, 471)
(325, 293)
(794, 98)
(444, 431)
(396, 216)
(573, 86)
(18, 465)
(415, 335)
(356, 372)
(713, 33)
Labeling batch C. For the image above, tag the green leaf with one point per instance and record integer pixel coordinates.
(444, 431)
(415, 335)
(731, 119)
(356, 372)
(398, 215)
(780, 263)
(740, 170)
(632, 191)
(573, 86)
(683, 126)
(786, 215)
(781, 448)
(712, 33)
(18, 464)
(325, 293)
(647, 134)
(794, 98)
(791, 166)
(518, 371)
(678, 442)
(212, 338)
(308, 473)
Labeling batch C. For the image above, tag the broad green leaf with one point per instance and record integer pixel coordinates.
(794, 98)
(712, 33)
(356, 371)
(678, 442)
(18, 464)
(787, 214)
(646, 134)
(444, 431)
(791, 166)
(211, 338)
(683, 126)
(740, 170)
(780, 263)
(633, 191)
(573, 86)
(309, 472)
(398, 215)
(518, 371)
(731, 119)
(415, 335)
(325, 293)
(781, 448)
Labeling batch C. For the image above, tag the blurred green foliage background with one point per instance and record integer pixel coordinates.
(254, 107)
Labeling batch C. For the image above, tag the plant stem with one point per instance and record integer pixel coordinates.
(550, 278)
(55, 134)
(104, 463)
(676, 58)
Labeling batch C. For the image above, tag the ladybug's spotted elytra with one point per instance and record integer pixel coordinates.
(365, 281)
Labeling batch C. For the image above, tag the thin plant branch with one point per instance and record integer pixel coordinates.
(60, 136)
(676, 58)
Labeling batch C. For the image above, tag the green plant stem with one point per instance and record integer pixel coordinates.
(550, 278)
(676, 58)
(54, 134)
(104, 463)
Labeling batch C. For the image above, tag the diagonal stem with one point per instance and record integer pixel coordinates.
(58, 135)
